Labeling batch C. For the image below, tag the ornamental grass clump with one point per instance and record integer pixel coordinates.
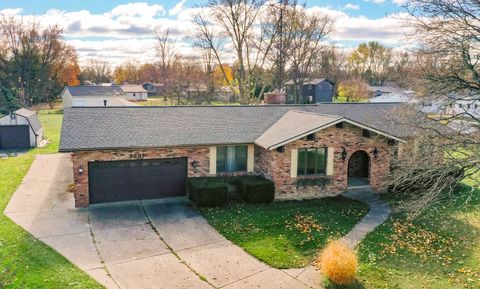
(338, 263)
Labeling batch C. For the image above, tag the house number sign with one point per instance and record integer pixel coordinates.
(137, 156)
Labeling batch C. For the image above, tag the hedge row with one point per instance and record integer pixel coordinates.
(213, 191)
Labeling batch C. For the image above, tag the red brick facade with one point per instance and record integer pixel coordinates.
(276, 165)
(272, 164)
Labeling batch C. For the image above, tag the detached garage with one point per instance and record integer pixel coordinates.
(20, 129)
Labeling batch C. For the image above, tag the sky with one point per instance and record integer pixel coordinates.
(124, 30)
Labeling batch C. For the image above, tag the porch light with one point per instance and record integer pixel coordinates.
(344, 154)
(375, 152)
(194, 163)
(80, 170)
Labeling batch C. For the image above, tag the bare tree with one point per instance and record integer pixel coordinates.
(237, 22)
(167, 54)
(306, 45)
(96, 71)
(448, 34)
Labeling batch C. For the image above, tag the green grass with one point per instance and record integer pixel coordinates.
(278, 233)
(440, 249)
(26, 262)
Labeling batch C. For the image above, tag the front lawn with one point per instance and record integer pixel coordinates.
(440, 249)
(26, 262)
(286, 234)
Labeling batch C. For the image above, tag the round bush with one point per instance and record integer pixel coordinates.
(338, 263)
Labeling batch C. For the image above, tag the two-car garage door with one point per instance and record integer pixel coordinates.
(113, 181)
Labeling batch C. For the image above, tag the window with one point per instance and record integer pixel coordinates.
(281, 149)
(231, 158)
(367, 133)
(339, 125)
(311, 136)
(312, 161)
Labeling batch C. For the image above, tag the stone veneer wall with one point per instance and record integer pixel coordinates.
(276, 166)
(199, 154)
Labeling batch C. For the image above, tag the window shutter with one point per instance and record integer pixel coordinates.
(213, 160)
(250, 158)
(294, 163)
(330, 160)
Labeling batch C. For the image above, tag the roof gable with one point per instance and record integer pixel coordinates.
(297, 124)
(293, 125)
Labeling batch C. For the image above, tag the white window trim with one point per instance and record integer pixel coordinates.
(213, 160)
(250, 158)
(330, 161)
(294, 163)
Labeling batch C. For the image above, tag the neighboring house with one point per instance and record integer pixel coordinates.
(20, 129)
(96, 95)
(468, 105)
(309, 151)
(312, 91)
(153, 89)
(390, 94)
(134, 92)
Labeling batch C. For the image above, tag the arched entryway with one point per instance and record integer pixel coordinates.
(359, 169)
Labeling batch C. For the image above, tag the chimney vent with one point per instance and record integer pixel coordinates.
(105, 103)
(13, 115)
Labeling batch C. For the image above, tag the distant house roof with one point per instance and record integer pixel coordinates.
(31, 117)
(94, 90)
(130, 88)
(111, 101)
(118, 127)
(154, 84)
(315, 81)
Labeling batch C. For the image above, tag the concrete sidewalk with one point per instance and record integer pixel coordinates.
(140, 244)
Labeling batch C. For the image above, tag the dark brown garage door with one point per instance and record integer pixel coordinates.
(14, 136)
(115, 181)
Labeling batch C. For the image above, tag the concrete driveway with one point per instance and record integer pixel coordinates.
(140, 244)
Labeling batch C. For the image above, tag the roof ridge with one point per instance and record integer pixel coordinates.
(246, 105)
(311, 112)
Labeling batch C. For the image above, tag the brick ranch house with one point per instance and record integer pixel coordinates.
(309, 151)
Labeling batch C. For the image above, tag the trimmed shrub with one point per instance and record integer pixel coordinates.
(208, 192)
(255, 189)
(338, 263)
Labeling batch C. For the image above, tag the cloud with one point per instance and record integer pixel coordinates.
(399, 2)
(375, 1)
(351, 6)
(11, 12)
(141, 9)
(177, 8)
(128, 31)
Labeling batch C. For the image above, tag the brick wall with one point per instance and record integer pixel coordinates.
(276, 166)
(199, 154)
(272, 164)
